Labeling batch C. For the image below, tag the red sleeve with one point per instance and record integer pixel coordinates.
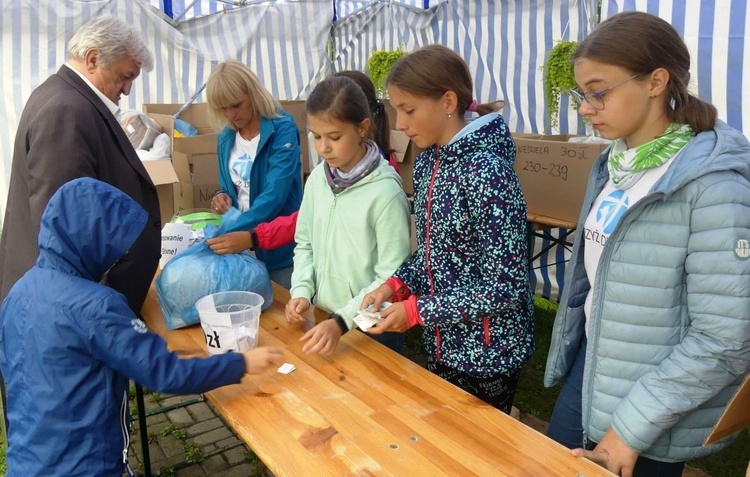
(412, 313)
(400, 291)
(278, 232)
(393, 162)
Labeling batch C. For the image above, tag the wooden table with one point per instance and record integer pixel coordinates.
(367, 411)
(535, 223)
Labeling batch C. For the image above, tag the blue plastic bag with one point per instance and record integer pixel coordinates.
(185, 128)
(198, 272)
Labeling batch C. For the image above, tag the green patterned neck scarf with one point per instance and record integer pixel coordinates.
(627, 166)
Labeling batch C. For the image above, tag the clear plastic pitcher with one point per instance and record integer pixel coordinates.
(230, 320)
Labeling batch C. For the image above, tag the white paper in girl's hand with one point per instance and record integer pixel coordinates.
(366, 320)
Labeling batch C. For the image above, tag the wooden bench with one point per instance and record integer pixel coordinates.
(367, 411)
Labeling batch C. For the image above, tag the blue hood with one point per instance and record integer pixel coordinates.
(88, 225)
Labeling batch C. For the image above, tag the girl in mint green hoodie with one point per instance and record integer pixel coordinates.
(353, 225)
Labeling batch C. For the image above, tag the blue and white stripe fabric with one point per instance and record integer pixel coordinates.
(180, 10)
(547, 275)
(504, 44)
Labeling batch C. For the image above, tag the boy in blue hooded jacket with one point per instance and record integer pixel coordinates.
(68, 345)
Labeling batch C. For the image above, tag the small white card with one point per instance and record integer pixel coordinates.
(287, 368)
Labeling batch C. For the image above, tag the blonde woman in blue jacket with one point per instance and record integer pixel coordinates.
(653, 331)
(353, 226)
(259, 162)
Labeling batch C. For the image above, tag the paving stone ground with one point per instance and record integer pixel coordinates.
(187, 438)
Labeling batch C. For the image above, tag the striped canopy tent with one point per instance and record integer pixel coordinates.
(292, 45)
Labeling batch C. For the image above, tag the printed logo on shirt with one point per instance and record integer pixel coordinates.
(742, 249)
(610, 211)
(595, 236)
(241, 167)
(138, 325)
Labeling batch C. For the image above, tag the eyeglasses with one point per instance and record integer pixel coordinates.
(596, 98)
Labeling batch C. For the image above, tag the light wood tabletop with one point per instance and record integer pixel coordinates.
(367, 411)
(544, 222)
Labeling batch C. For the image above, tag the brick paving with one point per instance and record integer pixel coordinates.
(187, 438)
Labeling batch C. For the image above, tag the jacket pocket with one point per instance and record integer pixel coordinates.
(333, 292)
(566, 338)
(572, 333)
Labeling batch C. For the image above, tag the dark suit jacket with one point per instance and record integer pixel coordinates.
(66, 132)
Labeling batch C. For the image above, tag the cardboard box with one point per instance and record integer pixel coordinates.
(554, 173)
(735, 416)
(406, 150)
(196, 114)
(194, 158)
(164, 177)
(198, 174)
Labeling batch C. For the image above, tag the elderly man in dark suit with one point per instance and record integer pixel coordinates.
(69, 129)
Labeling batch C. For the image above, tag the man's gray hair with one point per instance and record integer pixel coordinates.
(114, 39)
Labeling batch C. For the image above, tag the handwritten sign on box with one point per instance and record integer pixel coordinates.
(553, 173)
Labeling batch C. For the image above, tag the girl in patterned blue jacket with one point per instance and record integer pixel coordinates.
(467, 283)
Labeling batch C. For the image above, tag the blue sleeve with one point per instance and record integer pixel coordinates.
(284, 173)
(413, 273)
(222, 151)
(121, 341)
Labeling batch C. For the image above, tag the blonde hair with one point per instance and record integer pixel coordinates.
(230, 83)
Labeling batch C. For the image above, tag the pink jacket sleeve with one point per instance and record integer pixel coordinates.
(278, 232)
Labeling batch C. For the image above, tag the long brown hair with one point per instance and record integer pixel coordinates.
(380, 131)
(432, 71)
(640, 43)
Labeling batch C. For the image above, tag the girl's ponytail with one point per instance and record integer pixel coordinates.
(380, 130)
(492, 107)
(684, 108)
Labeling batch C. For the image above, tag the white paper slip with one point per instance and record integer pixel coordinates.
(383, 306)
(287, 368)
(366, 320)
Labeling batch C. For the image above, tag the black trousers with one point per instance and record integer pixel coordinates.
(497, 390)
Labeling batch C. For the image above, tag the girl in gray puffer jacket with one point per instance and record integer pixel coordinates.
(653, 331)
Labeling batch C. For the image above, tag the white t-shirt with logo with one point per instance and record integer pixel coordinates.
(604, 216)
(241, 159)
